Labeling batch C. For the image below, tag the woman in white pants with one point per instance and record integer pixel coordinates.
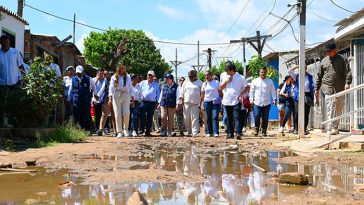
(120, 93)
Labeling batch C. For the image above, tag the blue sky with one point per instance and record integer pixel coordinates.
(209, 21)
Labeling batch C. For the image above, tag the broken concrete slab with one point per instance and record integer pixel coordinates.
(293, 178)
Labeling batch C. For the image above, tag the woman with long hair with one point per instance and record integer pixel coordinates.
(121, 98)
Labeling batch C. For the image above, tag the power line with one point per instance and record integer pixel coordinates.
(237, 18)
(265, 10)
(332, 1)
(279, 20)
(274, 5)
(100, 29)
(284, 27)
(322, 17)
(294, 35)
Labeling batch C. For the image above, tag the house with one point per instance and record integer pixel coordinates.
(64, 53)
(13, 25)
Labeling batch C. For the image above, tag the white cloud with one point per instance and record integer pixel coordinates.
(173, 12)
(80, 41)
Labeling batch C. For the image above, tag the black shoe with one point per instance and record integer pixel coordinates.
(307, 132)
(230, 136)
(238, 136)
(99, 132)
(264, 133)
(147, 134)
(182, 134)
(256, 132)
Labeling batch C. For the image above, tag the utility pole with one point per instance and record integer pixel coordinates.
(209, 55)
(302, 56)
(176, 63)
(197, 68)
(252, 40)
(198, 54)
(74, 28)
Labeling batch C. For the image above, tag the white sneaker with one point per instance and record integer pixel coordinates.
(280, 130)
(135, 134)
(216, 135)
(244, 130)
(119, 135)
(126, 133)
(208, 135)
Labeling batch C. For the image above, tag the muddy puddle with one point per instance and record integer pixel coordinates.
(230, 177)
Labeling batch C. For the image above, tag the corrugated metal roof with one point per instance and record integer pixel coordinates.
(342, 23)
(10, 13)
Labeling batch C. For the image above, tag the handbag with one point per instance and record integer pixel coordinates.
(247, 103)
(282, 99)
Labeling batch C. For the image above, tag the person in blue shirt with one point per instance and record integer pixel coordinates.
(150, 92)
(80, 94)
(287, 93)
(168, 102)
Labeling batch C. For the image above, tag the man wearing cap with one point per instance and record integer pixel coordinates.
(233, 84)
(150, 92)
(168, 101)
(80, 94)
(190, 99)
(11, 69)
(179, 112)
(67, 81)
(333, 76)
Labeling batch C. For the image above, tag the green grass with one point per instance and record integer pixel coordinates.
(68, 133)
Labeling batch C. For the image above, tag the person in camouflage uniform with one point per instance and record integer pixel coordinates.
(179, 114)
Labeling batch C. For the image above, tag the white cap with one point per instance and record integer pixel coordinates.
(151, 73)
(79, 69)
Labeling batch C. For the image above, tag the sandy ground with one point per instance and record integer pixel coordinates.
(98, 158)
(107, 160)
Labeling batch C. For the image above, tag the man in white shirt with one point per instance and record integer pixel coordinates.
(67, 81)
(262, 91)
(190, 98)
(232, 86)
(98, 99)
(137, 109)
(11, 69)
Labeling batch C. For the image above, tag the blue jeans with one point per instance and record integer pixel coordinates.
(212, 115)
(288, 109)
(135, 116)
(233, 114)
(261, 112)
(147, 115)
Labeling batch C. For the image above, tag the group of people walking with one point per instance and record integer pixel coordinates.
(129, 103)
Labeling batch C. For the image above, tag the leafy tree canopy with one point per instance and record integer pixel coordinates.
(101, 50)
(256, 63)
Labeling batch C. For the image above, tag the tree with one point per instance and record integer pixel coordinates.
(130, 47)
(221, 68)
(256, 63)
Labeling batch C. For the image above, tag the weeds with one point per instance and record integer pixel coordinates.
(68, 133)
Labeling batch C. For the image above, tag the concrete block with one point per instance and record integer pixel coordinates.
(293, 178)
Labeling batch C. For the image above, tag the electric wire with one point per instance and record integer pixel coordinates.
(337, 5)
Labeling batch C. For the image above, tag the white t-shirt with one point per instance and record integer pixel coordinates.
(233, 89)
(100, 86)
(9, 66)
(211, 90)
(137, 92)
(191, 91)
